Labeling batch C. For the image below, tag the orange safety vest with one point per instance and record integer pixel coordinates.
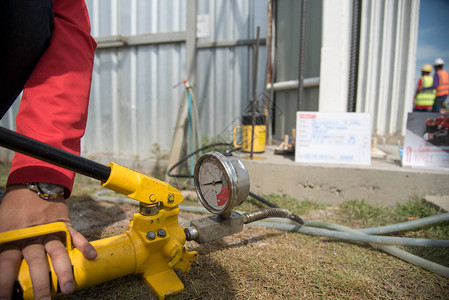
(443, 85)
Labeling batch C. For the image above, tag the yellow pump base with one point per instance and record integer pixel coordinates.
(152, 247)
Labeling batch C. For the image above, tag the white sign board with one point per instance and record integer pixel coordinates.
(426, 143)
(333, 138)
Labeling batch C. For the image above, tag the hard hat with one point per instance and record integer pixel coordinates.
(439, 62)
(426, 68)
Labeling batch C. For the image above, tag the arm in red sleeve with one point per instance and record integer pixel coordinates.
(55, 99)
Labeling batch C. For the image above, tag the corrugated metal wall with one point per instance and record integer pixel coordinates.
(389, 31)
(133, 103)
(224, 73)
(288, 18)
(141, 55)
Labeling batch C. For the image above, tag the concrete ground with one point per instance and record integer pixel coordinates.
(384, 181)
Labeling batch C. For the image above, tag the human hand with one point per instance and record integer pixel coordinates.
(21, 208)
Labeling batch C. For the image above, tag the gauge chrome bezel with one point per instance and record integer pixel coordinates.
(236, 175)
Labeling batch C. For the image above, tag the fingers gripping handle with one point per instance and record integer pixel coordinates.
(35, 231)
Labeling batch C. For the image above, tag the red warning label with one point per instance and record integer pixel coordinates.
(223, 196)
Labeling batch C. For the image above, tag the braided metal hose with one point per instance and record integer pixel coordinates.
(260, 214)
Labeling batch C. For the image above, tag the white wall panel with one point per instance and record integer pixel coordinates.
(334, 73)
(389, 31)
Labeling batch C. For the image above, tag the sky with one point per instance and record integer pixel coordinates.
(433, 34)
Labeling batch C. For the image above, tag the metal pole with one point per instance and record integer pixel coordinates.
(267, 99)
(254, 101)
(354, 56)
(302, 50)
(28, 146)
(273, 67)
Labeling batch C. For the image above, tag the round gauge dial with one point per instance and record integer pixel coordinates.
(221, 182)
(213, 184)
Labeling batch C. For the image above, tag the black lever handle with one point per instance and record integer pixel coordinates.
(31, 147)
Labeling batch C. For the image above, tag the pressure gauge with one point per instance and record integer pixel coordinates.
(221, 182)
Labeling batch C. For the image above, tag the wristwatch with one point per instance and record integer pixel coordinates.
(47, 191)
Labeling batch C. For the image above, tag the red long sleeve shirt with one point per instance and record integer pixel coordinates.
(55, 99)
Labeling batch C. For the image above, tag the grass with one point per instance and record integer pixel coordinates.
(293, 205)
(374, 215)
(367, 215)
(84, 187)
(298, 207)
(269, 264)
(4, 171)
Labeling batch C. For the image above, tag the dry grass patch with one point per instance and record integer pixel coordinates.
(268, 264)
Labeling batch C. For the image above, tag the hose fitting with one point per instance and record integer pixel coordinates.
(260, 214)
(191, 233)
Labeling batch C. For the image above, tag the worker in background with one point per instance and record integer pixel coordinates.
(441, 84)
(47, 51)
(425, 94)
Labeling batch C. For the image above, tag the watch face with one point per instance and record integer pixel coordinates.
(50, 188)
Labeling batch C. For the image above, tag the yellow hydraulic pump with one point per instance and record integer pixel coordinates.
(152, 247)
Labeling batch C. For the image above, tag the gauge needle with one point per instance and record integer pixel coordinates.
(212, 182)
